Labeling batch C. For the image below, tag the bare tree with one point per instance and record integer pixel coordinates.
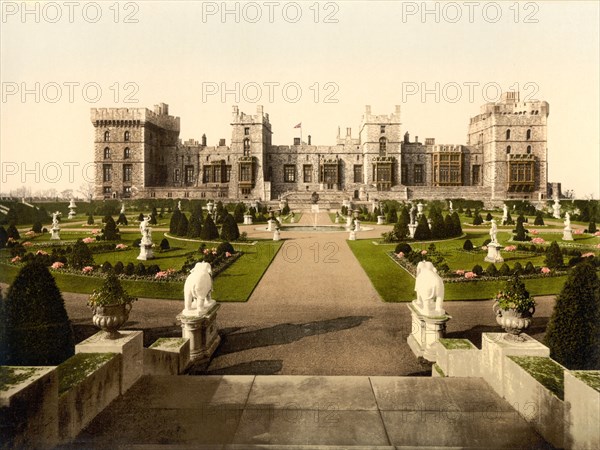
(87, 190)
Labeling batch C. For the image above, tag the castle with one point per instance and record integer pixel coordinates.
(138, 154)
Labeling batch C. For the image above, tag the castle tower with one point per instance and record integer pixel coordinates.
(512, 136)
(380, 138)
(132, 149)
(250, 141)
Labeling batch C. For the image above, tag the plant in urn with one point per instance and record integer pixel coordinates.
(514, 308)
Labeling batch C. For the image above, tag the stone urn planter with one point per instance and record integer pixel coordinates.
(514, 308)
(111, 306)
(110, 318)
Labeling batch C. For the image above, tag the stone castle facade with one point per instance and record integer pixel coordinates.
(138, 153)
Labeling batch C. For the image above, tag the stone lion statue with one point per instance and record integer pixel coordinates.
(429, 287)
(197, 290)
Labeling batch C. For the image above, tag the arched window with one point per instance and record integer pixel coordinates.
(507, 135)
(528, 134)
(126, 136)
(106, 136)
(126, 153)
(246, 147)
(382, 146)
(107, 152)
(529, 149)
(508, 150)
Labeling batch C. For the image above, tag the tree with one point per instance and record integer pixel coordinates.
(90, 219)
(438, 229)
(182, 226)
(592, 227)
(509, 219)
(468, 212)
(491, 270)
(457, 226)
(81, 255)
(122, 220)
(401, 231)
(392, 215)
(468, 245)
(38, 330)
(238, 213)
(220, 212)
(230, 230)
(477, 219)
(37, 227)
(209, 230)
(174, 224)
(573, 333)
(520, 231)
(194, 227)
(539, 219)
(164, 244)
(554, 257)
(422, 233)
(3, 237)
(13, 232)
(489, 217)
(110, 231)
(449, 226)
(284, 211)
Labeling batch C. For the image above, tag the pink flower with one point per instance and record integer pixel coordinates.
(484, 247)
(460, 272)
(16, 259)
(597, 233)
(96, 231)
(227, 254)
(205, 251)
(578, 231)
(160, 275)
(537, 241)
(88, 240)
(588, 255)
(87, 269)
(41, 253)
(534, 231)
(470, 275)
(30, 234)
(57, 265)
(423, 252)
(545, 270)
(598, 246)
(25, 244)
(214, 253)
(11, 239)
(510, 248)
(400, 255)
(121, 247)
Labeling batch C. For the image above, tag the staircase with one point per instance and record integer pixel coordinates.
(302, 201)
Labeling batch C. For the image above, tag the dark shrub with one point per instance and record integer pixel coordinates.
(284, 211)
(137, 243)
(37, 328)
(140, 269)
(486, 242)
(164, 244)
(404, 248)
(81, 255)
(489, 217)
(225, 247)
(13, 232)
(90, 219)
(520, 233)
(194, 227)
(229, 230)
(554, 258)
(152, 269)
(119, 268)
(468, 212)
(209, 230)
(141, 217)
(491, 270)
(573, 333)
(477, 270)
(129, 269)
(539, 218)
(3, 237)
(504, 270)
(592, 227)
(422, 233)
(174, 223)
(106, 267)
(477, 219)
(122, 220)
(110, 231)
(438, 229)
(529, 268)
(182, 226)
(37, 227)
(518, 268)
(392, 216)
(468, 245)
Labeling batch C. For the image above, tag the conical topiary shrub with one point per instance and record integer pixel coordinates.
(573, 333)
(38, 330)
(229, 230)
(81, 255)
(209, 230)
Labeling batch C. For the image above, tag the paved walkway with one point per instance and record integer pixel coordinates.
(248, 412)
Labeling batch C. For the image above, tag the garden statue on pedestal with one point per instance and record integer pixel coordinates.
(493, 247)
(122, 208)
(419, 209)
(504, 214)
(428, 315)
(567, 230)
(72, 207)
(412, 226)
(349, 221)
(198, 318)
(55, 227)
(146, 242)
(356, 225)
(556, 208)
(450, 208)
(276, 234)
(247, 219)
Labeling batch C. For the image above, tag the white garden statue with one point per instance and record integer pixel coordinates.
(197, 290)
(55, 219)
(567, 221)
(494, 232)
(429, 287)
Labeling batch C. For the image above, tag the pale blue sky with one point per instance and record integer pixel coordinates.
(371, 54)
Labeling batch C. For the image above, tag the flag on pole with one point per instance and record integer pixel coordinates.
(299, 125)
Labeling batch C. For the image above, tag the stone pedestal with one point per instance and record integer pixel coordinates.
(55, 234)
(411, 230)
(337, 219)
(247, 219)
(356, 225)
(428, 326)
(72, 214)
(130, 345)
(493, 255)
(348, 222)
(352, 235)
(567, 234)
(270, 225)
(380, 220)
(276, 235)
(202, 332)
(146, 252)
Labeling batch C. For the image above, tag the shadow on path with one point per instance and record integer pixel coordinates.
(258, 367)
(284, 334)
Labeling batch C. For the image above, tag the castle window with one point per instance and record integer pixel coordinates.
(106, 136)
(382, 129)
(107, 190)
(246, 131)
(246, 147)
(176, 175)
(227, 174)
(289, 173)
(189, 174)
(418, 173)
(476, 175)
(206, 174)
(358, 173)
(245, 172)
(307, 169)
(126, 153)
(528, 134)
(382, 146)
(508, 150)
(107, 153)
(107, 173)
(529, 149)
(507, 135)
(126, 136)
(127, 170)
(403, 174)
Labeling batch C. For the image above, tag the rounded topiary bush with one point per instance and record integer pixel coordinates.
(81, 255)
(106, 267)
(37, 329)
(489, 217)
(477, 270)
(37, 227)
(468, 245)
(468, 212)
(119, 268)
(477, 219)
(141, 217)
(592, 227)
(90, 219)
(517, 268)
(230, 230)
(152, 269)
(110, 231)
(573, 333)
(422, 233)
(539, 218)
(209, 230)
(164, 244)
(491, 270)
(136, 243)
(504, 270)
(140, 270)
(182, 225)
(529, 268)
(403, 247)
(122, 220)
(13, 232)
(554, 257)
(225, 247)
(3, 237)
(129, 269)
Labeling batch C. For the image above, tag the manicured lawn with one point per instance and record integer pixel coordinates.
(394, 284)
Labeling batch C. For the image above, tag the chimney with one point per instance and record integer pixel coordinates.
(338, 132)
(204, 140)
(309, 139)
(259, 110)
(221, 142)
(368, 109)
(348, 132)
(406, 138)
(417, 139)
(397, 111)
